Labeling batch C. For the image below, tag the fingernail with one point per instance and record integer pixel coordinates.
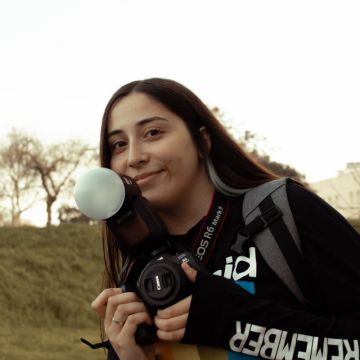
(188, 268)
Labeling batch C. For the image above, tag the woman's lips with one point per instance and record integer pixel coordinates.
(144, 178)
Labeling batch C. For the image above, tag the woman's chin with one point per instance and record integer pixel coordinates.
(158, 202)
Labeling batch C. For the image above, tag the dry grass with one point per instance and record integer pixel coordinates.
(49, 277)
(41, 343)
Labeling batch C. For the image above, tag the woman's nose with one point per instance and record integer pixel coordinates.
(137, 155)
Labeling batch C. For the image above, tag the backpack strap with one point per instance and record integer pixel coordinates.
(269, 224)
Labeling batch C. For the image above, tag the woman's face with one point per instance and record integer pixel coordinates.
(153, 145)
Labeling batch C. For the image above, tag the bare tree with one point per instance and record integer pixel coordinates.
(56, 165)
(18, 186)
(3, 216)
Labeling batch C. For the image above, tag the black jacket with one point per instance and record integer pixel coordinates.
(261, 317)
(242, 306)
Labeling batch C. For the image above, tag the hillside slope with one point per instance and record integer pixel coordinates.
(49, 276)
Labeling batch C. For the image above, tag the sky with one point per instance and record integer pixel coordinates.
(285, 70)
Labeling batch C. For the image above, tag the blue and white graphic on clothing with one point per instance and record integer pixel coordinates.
(236, 269)
(252, 341)
(250, 287)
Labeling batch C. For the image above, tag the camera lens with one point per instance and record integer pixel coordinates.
(161, 284)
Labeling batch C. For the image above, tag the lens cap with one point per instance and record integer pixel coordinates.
(160, 284)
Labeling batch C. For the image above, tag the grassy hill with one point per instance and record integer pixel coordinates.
(49, 276)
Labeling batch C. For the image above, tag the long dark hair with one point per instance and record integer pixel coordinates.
(232, 164)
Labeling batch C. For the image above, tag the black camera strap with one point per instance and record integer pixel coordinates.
(211, 227)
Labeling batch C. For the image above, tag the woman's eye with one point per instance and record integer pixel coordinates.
(118, 145)
(153, 132)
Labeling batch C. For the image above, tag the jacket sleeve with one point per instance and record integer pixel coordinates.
(225, 315)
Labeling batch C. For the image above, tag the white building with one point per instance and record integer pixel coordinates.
(343, 191)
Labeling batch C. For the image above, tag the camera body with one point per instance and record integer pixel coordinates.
(162, 282)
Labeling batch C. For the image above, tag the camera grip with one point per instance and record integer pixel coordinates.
(145, 334)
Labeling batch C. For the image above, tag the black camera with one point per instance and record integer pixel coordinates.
(162, 282)
(155, 273)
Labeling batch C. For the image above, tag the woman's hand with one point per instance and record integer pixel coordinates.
(171, 322)
(122, 314)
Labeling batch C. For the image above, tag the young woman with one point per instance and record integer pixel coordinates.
(161, 134)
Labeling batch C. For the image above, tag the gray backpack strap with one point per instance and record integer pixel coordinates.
(264, 239)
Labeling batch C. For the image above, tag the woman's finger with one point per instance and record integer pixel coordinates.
(128, 328)
(189, 271)
(100, 302)
(180, 308)
(123, 311)
(123, 340)
(172, 324)
(176, 335)
(115, 301)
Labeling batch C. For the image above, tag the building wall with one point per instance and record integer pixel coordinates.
(342, 191)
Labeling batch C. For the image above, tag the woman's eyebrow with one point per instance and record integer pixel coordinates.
(138, 124)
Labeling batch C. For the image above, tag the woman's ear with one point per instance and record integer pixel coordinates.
(206, 138)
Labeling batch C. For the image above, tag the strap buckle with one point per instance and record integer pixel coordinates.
(269, 216)
(262, 221)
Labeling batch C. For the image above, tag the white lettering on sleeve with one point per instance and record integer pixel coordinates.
(318, 353)
(351, 353)
(306, 355)
(269, 344)
(284, 350)
(276, 344)
(255, 344)
(239, 336)
(339, 344)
